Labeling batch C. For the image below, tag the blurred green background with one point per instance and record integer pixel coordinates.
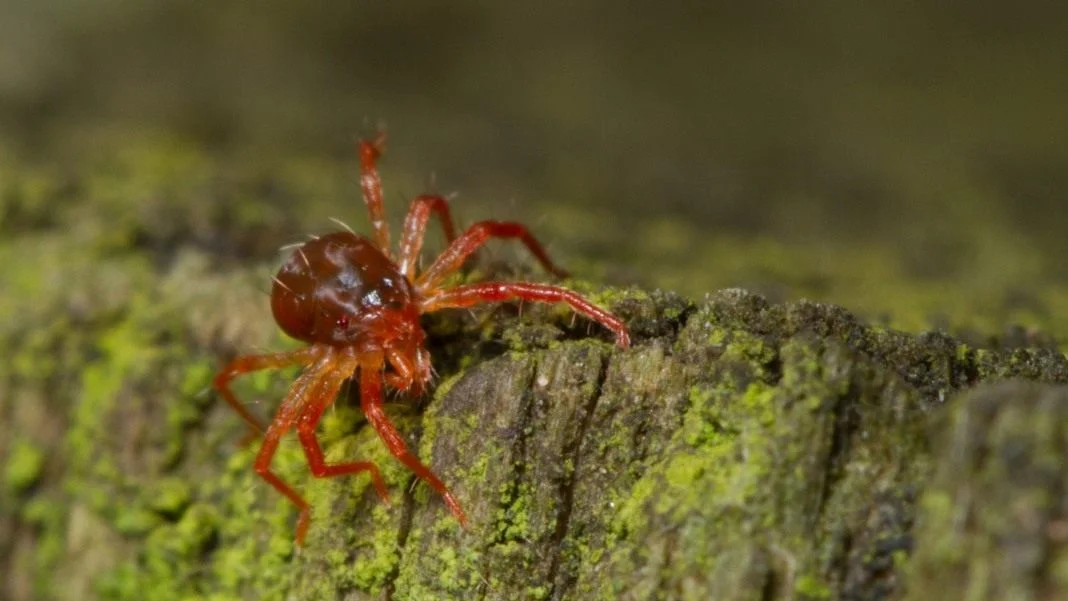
(906, 160)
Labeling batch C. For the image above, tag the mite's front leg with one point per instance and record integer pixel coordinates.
(371, 403)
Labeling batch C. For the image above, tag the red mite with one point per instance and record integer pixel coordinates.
(357, 306)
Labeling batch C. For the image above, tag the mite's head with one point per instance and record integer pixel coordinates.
(341, 290)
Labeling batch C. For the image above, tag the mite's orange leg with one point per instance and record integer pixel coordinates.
(244, 365)
(287, 415)
(473, 294)
(463, 247)
(371, 185)
(415, 229)
(371, 403)
(263, 468)
(325, 394)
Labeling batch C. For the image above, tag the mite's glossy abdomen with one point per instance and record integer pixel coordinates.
(330, 288)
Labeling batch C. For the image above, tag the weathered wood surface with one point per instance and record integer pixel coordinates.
(739, 451)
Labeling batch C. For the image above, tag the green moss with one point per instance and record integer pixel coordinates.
(49, 518)
(373, 572)
(812, 587)
(168, 561)
(170, 496)
(513, 514)
(449, 571)
(25, 463)
(135, 521)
